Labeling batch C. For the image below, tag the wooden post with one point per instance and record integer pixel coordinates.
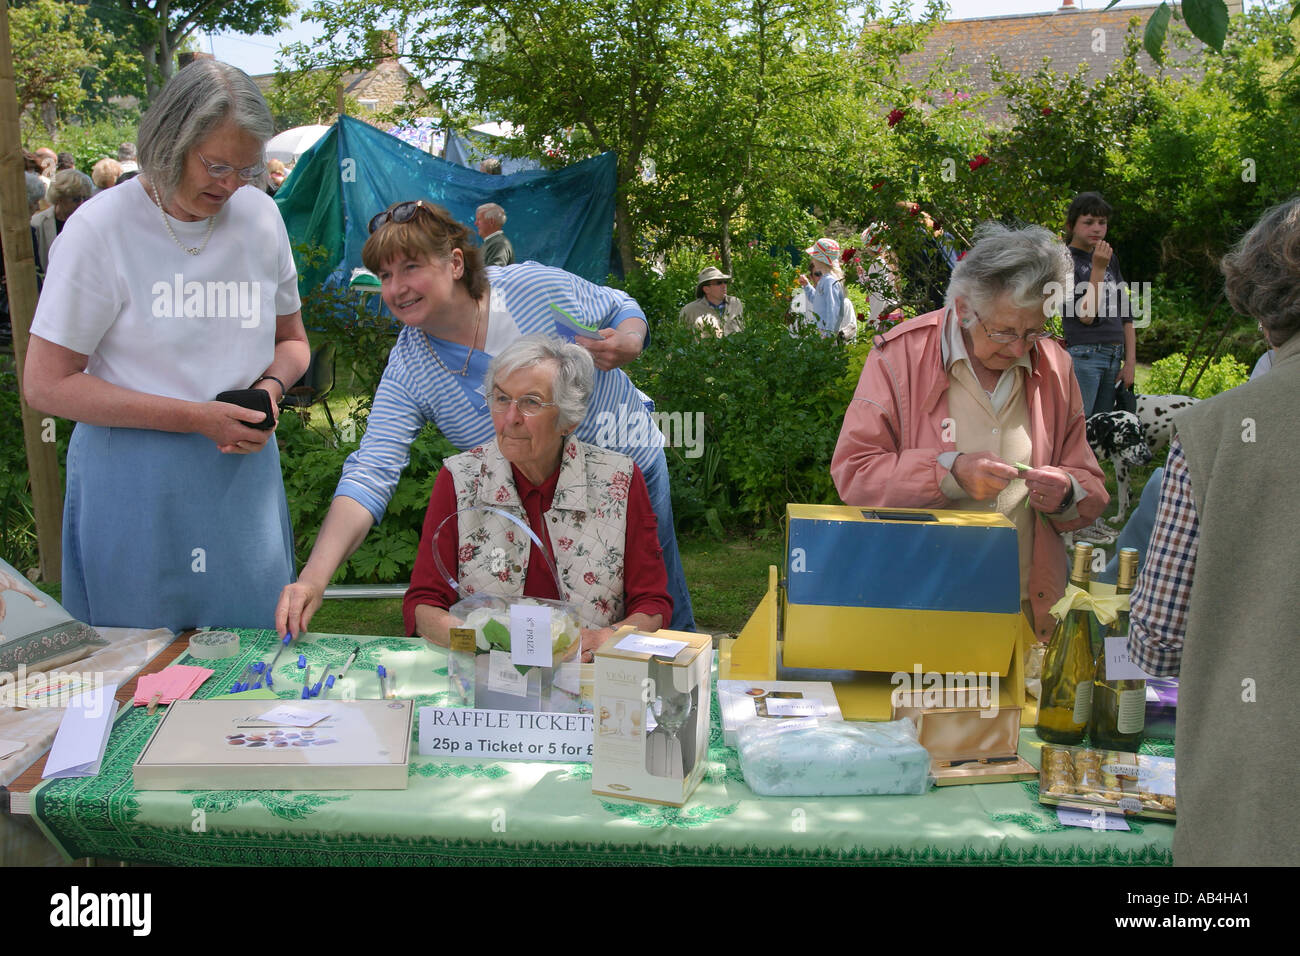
(20, 269)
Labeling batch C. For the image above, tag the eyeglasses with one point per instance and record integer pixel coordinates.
(1006, 336)
(221, 170)
(528, 406)
(399, 213)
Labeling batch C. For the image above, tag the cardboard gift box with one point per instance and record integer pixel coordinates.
(652, 716)
(741, 702)
(969, 744)
(226, 745)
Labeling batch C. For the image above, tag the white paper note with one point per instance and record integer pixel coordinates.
(530, 635)
(83, 735)
(10, 747)
(1118, 665)
(1097, 819)
(293, 716)
(503, 677)
(793, 707)
(645, 644)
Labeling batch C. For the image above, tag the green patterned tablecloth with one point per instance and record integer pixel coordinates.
(472, 811)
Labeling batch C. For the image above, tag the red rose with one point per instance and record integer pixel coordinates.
(589, 577)
(1047, 111)
(978, 161)
(504, 575)
(895, 117)
(502, 495)
(602, 606)
(510, 536)
(878, 185)
(466, 553)
(847, 255)
(566, 544)
(571, 450)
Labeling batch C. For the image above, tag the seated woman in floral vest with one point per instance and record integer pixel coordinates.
(589, 507)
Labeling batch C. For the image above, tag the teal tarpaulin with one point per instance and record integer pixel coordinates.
(562, 218)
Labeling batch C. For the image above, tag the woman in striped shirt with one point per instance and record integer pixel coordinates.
(457, 314)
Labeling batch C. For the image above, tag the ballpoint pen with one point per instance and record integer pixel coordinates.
(306, 684)
(288, 638)
(383, 681)
(356, 649)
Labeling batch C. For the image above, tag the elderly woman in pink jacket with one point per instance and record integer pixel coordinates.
(949, 402)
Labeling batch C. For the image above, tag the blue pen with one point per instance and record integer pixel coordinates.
(306, 684)
(328, 684)
(288, 638)
(259, 669)
(240, 683)
(315, 690)
(383, 681)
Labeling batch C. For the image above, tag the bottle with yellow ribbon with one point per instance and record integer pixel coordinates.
(1118, 704)
(1065, 701)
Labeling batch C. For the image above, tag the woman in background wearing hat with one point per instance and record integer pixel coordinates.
(714, 310)
(825, 296)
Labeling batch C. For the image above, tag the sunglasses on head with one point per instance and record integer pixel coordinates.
(399, 213)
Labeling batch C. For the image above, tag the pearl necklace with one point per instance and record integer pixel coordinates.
(424, 337)
(212, 224)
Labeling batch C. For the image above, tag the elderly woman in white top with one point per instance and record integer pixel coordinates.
(162, 294)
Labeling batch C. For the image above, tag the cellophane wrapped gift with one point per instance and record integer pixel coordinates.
(472, 681)
(814, 758)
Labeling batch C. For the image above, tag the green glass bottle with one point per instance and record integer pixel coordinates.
(1065, 701)
(1119, 707)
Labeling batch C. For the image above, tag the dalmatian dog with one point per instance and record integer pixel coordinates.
(1119, 437)
(1156, 413)
(9, 582)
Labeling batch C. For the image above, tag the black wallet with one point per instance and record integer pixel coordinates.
(258, 399)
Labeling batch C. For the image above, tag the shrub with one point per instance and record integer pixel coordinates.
(1222, 374)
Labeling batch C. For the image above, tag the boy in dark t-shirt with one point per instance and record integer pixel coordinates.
(1097, 318)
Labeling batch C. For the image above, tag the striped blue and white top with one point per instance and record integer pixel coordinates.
(416, 390)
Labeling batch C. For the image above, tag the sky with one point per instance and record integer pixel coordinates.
(257, 54)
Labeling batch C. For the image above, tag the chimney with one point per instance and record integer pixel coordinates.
(383, 45)
(185, 59)
(1067, 6)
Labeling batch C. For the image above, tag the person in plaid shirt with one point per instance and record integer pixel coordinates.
(1215, 602)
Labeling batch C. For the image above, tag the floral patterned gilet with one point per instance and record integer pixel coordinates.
(587, 524)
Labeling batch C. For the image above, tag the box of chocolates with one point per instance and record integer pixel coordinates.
(1086, 778)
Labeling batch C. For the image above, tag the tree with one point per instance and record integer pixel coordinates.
(58, 56)
(160, 27)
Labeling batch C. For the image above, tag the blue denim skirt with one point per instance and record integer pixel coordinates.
(163, 530)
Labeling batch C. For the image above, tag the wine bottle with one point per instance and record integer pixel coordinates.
(1119, 707)
(1065, 701)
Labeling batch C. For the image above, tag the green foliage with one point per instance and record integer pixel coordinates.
(771, 402)
(1222, 374)
(17, 521)
(91, 142)
(60, 55)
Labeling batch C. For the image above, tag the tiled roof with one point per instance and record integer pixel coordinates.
(1022, 41)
